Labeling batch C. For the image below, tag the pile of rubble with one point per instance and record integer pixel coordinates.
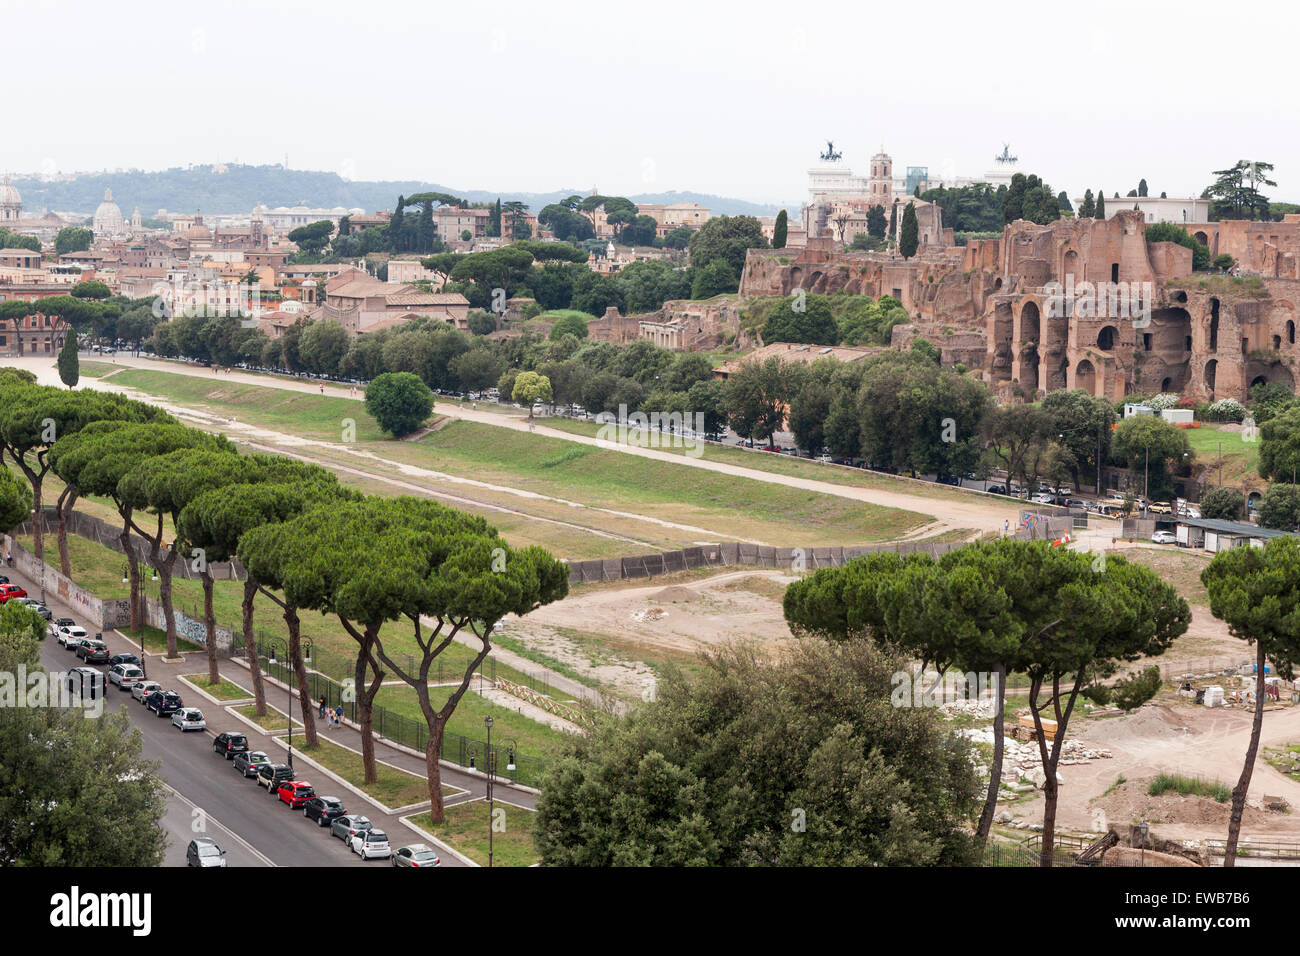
(1023, 761)
(971, 707)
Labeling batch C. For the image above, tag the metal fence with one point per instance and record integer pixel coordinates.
(398, 728)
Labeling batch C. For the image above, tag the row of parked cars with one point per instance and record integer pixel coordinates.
(126, 673)
(283, 784)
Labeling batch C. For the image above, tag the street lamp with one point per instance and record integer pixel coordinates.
(491, 772)
(275, 643)
(1143, 828)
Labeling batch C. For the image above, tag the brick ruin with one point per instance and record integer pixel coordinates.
(1080, 303)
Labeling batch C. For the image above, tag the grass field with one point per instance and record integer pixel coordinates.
(222, 689)
(395, 788)
(466, 829)
(1240, 457)
(723, 507)
(94, 369)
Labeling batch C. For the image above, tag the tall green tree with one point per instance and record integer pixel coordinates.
(399, 401)
(908, 238)
(68, 364)
(779, 230)
(1256, 592)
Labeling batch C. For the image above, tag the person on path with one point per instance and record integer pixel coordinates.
(338, 714)
(322, 707)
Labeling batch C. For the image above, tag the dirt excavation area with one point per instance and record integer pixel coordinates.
(616, 634)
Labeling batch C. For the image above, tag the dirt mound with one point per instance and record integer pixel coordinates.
(1148, 723)
(674, 594)
(1130, 801)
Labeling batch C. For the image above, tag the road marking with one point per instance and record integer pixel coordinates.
(233, 835)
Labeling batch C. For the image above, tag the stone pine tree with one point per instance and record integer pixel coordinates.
(68, 363)
(1142, 188)
(779, 230)
(909, 239)
(1256, 592)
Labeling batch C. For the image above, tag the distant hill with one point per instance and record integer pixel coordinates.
(233, 189)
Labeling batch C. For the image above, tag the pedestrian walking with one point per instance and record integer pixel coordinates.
(1006, 526)
(338, 714)
(322, 706)
(329, 719)
(322, 389)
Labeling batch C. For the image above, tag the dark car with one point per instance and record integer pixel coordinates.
(271, 775)
(93, 652)
(164, 703)
(229, 744)
(249, 762)
(124, 659)
(323, 810)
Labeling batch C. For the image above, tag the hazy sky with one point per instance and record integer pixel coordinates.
(735, 99)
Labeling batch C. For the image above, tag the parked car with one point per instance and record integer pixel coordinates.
(125, 676)
(1042, 498)
(164, 703)
(123, 659)
(416, 855)
(70, 636)
(8, 591)
(295, 793)
(228, 744)
(1160, 508)
(203, 851)
(997, 489)
(189, 718)
(92, 651)
(38, 607)
(1191, 511)
(142, 689)
(372, 845)
(271, 775)
(1164, 537)
(348, 826)
(249, 762)
(323, 810)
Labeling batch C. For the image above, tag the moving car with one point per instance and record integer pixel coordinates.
(1164, 537)
(416, 855)
(92, 651)
(189, 718)
(164, 703)
(372, 845)
(295, 793)
(250, 762)
(348, 826)
(142, 689)
(8, 591)
(204, 851)
(228, 744)
(271, 775)
(323, 810)
(125, 676)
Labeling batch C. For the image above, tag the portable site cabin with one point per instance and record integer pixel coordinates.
(1216, 535)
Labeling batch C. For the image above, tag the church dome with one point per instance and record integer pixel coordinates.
(9, 194)
(108, 217)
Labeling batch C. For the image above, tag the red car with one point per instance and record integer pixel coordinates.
(8, 591)
(296, 793)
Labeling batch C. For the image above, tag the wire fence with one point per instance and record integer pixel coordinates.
(398, 728)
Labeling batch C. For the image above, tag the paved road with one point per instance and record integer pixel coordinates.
(273, 834)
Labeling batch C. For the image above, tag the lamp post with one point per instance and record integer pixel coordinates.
(144, 669)
(275, 643)
(491, 772)
(1143, 828)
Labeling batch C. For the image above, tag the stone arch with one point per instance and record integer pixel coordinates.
(1106, 338)
(1085, 377)
(1211, 372)
(1166, 384)
(997, 283)
(1203, 239)
(796, 278)
(1070, 266)
(814, 280)
(1290, 332)
(1030, 323)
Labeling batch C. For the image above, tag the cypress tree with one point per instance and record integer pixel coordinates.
(68, 363)
(908, 242)
(779, 230)
(1101, 204)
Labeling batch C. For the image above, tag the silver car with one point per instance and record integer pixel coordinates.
(125, 676)
(189, 718)
(142, 689)
(348, 826)
(416, 855)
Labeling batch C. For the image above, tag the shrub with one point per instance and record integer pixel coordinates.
(1131, 692)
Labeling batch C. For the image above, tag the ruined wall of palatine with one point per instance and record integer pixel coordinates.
(1080, 303)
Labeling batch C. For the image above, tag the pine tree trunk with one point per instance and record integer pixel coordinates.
(1243, 784)
(64, 508)
(433, 770)
(295, 656)
(164, 569)
(250, 646)
(210, 625)
(999, 743)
